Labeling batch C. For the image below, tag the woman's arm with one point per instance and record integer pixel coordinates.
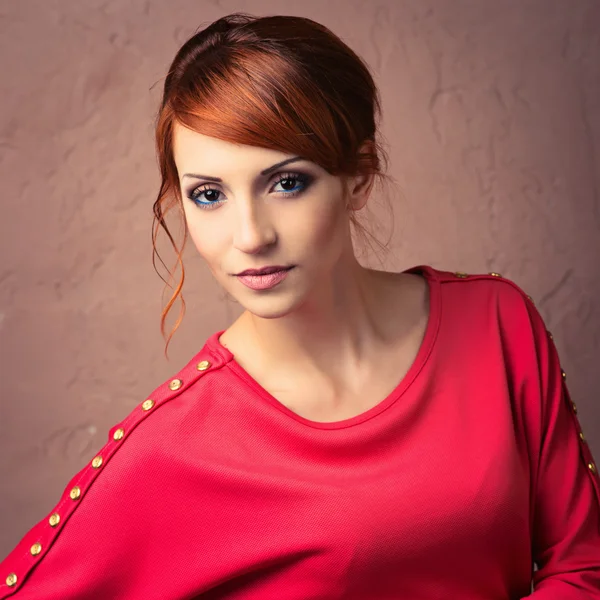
(566, 522)
(77, 550)
(112, 531)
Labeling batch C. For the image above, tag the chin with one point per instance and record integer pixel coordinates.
(268, 314)
(267, 305)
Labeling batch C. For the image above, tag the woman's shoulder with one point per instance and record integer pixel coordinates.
(491, 286)
(482, 303)
(196, 378)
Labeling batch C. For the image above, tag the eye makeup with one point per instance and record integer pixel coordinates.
(201, 195)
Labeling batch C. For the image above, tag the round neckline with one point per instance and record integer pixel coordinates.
(425, 349)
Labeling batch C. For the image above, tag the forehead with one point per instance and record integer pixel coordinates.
(193, 150)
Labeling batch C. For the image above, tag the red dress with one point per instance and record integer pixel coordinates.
(467, 473)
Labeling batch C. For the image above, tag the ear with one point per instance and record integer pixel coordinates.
(358, 188)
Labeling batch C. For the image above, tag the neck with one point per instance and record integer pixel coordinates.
(332, 333)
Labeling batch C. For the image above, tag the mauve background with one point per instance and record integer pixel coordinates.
(492, 116)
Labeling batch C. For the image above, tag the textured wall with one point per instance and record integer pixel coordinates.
(492, 114)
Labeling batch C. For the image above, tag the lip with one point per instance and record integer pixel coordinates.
(265, 270)
(266, 280)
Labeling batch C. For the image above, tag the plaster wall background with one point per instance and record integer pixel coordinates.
(492, 116)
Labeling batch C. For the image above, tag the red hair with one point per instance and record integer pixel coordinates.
(280, 82)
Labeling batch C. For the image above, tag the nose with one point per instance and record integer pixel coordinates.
(254, 230)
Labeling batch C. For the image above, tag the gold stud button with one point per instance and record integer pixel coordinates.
(11, 580)
(203, 365)
(550, 336)
(75, 493)
(495, 274)
(459, 274)
(175, 384)
(147, 404)
(35, 549)
(97, 462)
(564, 375)
(592, 467)
(574, 407)
(118, 434)
(581, 436)
(54, 519)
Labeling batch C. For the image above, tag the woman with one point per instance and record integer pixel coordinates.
(355, 434)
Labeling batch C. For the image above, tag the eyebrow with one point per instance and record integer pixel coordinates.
(265, 172)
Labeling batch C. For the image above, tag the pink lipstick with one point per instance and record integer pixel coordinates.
(266, 280)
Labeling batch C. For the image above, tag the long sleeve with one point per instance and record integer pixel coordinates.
(84, 542)
(566, 489)
(118, 530)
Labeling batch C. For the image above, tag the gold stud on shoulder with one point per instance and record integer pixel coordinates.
(54, 519)
(550, 336)
(564, 375)
(175, 384)
(97, 462)
(203, 365)
(581, 436)
(495, 274)
(11, 580)
(574, 407)
(118, 434)
(460, 274)
(592, 467)
(530, 299)
(147, 404)
(75, 493)
(35, 549)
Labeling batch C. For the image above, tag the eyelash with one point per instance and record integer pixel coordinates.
(304, 179)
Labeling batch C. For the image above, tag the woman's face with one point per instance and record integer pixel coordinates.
(260, 214)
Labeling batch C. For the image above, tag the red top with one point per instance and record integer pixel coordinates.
(452, 486)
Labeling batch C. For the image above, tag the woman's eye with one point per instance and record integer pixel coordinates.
(204, 195)
(292, 184)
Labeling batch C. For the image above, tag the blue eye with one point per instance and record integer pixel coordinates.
(293, 184)
(196, 193)
(300, 179)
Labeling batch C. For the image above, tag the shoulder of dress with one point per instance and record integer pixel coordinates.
(37, 542)
(204, 363)
(460, 276)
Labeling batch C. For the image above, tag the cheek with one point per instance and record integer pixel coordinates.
(206, 239)
(323, 225)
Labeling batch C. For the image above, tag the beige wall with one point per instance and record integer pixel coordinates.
(492, 113)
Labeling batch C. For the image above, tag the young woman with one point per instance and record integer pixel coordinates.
(355, 434)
